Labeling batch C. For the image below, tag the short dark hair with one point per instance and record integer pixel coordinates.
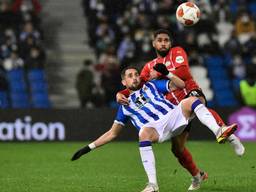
(160, 31)
(126, 68)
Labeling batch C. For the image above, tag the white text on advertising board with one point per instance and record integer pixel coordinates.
(26, 130)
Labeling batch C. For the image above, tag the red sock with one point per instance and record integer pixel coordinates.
(216, 116)
(186, 160)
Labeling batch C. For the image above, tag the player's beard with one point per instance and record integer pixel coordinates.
(135, 86)
(162, 53)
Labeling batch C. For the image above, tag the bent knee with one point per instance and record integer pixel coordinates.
(148, 134)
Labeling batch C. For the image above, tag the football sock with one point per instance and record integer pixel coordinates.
(232, 137)
(216, 116)
(204, 116)
(148, 160)
(186, 160)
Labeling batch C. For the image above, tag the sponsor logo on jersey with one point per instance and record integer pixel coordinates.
(167, 63)
(179, 59)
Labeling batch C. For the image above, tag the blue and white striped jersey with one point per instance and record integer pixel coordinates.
(146, 104)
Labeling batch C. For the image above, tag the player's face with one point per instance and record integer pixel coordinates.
(162, 44)
(131, 79)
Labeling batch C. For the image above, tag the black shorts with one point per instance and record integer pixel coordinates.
(195, 93)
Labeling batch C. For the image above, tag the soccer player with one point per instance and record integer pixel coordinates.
(175, 59)
(156, 119)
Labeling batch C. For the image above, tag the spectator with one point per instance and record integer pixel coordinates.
(31, 5)
(8, 46)
(26, 45)
(248, 87)
(238, 67)
(85, 85)
(36, 58)
(126, 51)
(8, 19)
(28, 29)
(245, 27)
(110, 82)
(14, 61)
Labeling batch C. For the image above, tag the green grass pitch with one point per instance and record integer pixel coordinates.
(116, 167)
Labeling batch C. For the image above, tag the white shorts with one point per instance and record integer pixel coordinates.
(171, 125)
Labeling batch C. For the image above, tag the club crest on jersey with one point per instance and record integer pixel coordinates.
(167, 63)
(179, 59)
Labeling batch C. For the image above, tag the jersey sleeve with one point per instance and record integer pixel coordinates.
(161, 85)
(183, 72)
(179, 57)
(125, 92)
(145, 72)
(121, 118)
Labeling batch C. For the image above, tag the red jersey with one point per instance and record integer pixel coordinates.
(177, 63)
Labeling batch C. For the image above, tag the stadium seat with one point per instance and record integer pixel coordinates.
(252, 8)
(208, 94)
(198, 71)
(40, 100)
(4, 103)
(20, 100)
(236, 84)
(225, 98)
(213, 61)
(203, 83)
(15, 74)
(17, 86)
(211, 103)
(220, 84)
(217, 73)
(38, 86)
(36, 75)
(233, 7)
(227, 103)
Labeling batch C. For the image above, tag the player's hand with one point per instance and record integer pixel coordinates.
(161, 68)
(80, 152)
(122, 99)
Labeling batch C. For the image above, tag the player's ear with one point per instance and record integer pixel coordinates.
(154, 43)
(123, 82)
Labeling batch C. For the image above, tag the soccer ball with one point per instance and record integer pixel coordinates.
(188, 13)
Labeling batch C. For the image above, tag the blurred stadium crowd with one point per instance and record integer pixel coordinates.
(22, 55)
(221, 47)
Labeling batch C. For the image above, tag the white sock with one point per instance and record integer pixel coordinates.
(232, 137)
(148, 161)
(205, 117)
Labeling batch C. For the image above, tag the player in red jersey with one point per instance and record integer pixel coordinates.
(175, 60)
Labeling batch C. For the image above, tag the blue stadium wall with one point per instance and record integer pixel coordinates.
(85, 125)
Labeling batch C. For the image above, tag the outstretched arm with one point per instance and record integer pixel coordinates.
(102, 140)
(109, 135)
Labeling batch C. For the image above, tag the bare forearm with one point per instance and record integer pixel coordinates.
(109, 135)
(179, 83)
(104, 139)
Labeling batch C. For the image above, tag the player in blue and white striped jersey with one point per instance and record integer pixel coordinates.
(146, 104)
(155, 118)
